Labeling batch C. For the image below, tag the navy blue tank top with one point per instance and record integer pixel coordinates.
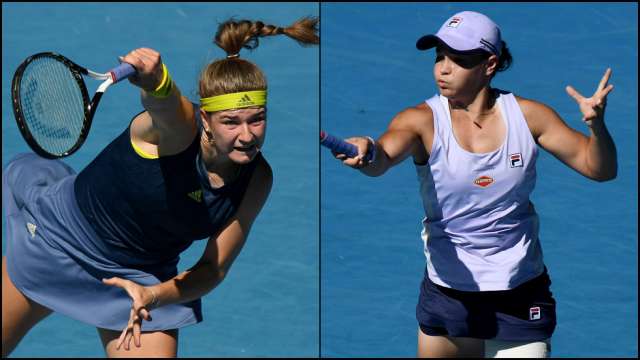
(155, 208)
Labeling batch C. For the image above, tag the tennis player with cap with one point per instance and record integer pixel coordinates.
(486, 290)
(102, 246)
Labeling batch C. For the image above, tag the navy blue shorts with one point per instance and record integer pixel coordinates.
(525, 313)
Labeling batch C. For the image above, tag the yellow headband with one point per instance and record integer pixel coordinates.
(234, 100)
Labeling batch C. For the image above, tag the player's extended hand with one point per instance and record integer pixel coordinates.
(148, 64)
(593, 108)
(142, 303)
(358, 162)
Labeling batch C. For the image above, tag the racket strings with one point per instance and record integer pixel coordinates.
(52, 105)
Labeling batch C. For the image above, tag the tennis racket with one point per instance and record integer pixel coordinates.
(342, 147)
(51, 103)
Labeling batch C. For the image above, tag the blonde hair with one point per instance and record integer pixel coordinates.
(233, 74)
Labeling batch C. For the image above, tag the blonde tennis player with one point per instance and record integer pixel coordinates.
(102, 246)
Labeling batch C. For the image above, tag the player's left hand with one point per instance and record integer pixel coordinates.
(593, 108)
(143, 299)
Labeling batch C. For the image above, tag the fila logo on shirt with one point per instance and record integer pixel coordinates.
(515, 160)
(534, 313)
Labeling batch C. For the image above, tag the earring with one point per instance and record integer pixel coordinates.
(210, 138)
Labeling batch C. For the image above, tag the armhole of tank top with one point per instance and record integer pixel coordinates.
(148, 156)
(426, 102)
(435, 141)
(135, 147)
(523, 120)
(141, 152)
(504, 114)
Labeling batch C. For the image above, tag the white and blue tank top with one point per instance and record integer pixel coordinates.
(480, 229)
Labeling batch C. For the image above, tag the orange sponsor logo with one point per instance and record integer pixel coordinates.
(483, 181)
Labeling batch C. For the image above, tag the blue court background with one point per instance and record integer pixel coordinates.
(372, 261)
(268, 305)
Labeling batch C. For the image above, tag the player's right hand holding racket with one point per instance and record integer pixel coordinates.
(356, 152)
(148, 64)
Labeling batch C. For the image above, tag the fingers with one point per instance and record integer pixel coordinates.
(136, 333)
(601, 95)
(145, 314)
(362, 144)
(573, 93)
(127, 341)
(132, 331)
(121, 338)
(148, 64)
(114, 281)
(143, 59)
(123, 335)
(604, 80)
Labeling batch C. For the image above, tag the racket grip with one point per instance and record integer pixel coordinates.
(342, 147)
(121, 72)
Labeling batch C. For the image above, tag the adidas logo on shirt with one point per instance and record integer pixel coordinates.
(32, 229)
(196, 195)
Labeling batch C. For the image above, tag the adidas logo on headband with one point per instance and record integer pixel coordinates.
(245, 101)
(237, 100)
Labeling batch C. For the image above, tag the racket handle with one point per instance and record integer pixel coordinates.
(342, 147)
(121, 72)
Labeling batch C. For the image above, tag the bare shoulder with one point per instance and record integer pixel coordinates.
(538, 115)
(410, 131)
(161, 140)
(415, 118)
(530, 106)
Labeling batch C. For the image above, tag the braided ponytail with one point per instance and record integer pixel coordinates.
(233, 74)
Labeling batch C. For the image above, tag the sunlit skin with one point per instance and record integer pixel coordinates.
(479, 127)
(461, 77)
(238, 136)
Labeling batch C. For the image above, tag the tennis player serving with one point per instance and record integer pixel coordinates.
(102, 246)
(486, 290)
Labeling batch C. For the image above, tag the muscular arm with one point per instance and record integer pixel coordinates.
(406, 135)
(594, 157)
(168, 124)
(222, 249)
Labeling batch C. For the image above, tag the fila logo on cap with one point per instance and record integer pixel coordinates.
(534, 313)
(454, 22)
(515, 160)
